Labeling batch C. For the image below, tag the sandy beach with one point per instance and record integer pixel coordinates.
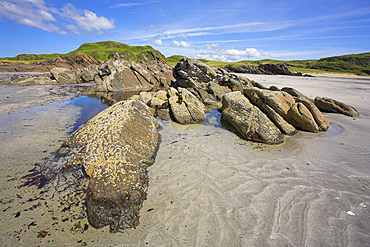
(207, 186)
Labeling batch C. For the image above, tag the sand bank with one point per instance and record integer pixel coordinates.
(209, 188)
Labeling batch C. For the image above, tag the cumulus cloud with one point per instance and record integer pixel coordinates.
(66, 20)
(231, 55)
(181, 44)
(157, 42)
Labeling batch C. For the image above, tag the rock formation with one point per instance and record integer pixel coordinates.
(81, 60)
(114, 149)
(331, 105)
(264, 69)
(247, 120)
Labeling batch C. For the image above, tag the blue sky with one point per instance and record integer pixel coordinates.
(220, 30)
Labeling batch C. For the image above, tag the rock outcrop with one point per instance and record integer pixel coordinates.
(117, 75)
(248, 121)
(81, 60)
(264, 69)
(334, 106)
(115, 149)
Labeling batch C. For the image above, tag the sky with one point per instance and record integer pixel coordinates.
(216, 30)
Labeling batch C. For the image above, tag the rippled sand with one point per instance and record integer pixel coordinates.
(209, 188)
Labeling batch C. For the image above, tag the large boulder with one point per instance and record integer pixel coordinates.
(248, 121)
(280, 101)
(185, 107)
(331, 105)
(191, 72)
(64, 76)
(301, 118)
(321, 121)
(116, 147)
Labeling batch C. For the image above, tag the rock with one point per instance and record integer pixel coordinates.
(88, 74)
(116, 75)
(43, 79)
(218, 90)
(247, 120)
(321, 121)
(280, 101)
(301, 118)
(294, 92)
(64, 76)
(278, 120)
(118, 146)
(191, 72)
(146, 97)
(195, 106)
(231, 83)
(185, 107)
(331, 105)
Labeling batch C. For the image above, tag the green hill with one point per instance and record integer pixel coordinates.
(358, 64)
(100, 50)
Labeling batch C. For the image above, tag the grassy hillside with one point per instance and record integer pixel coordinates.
(100, 50)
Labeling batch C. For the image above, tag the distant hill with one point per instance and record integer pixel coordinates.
(358, 64)
(100, 50)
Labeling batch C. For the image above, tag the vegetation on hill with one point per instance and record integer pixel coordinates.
(100, 50)
(353, 64)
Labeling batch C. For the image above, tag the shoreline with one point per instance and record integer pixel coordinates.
(208, 187)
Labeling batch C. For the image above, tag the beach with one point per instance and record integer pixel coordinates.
(207, 186)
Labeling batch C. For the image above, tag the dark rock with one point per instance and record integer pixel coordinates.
(247, 120)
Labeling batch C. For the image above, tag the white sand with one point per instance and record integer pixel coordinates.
(209, 188)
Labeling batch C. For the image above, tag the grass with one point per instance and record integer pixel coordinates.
(100, 50)
(358, 64)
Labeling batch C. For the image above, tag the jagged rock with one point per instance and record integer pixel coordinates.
(190, 72)
(185, 107)
(146, 97)
(195, 106)
(248, 120)
(218, 90)
(117, 146)
(116, 75)
(231, 83)
(88, 74)
(302, 118)
(321, 121)
(266, 69)
(331, 105)
(64, 76)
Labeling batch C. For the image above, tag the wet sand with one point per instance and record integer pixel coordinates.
(209, 188)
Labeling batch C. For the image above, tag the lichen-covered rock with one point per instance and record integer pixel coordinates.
(294, 92)
(247, 120)
(118, 145)
(331, 105)
(321, 121)
(218, 90)
(301, 118)
(285, 127)
(185, 107)
(280, 101)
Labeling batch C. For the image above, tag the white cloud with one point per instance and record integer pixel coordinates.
(211, 46)
(182, 44)
(231, 55)
(68, 19)
(157, 42)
